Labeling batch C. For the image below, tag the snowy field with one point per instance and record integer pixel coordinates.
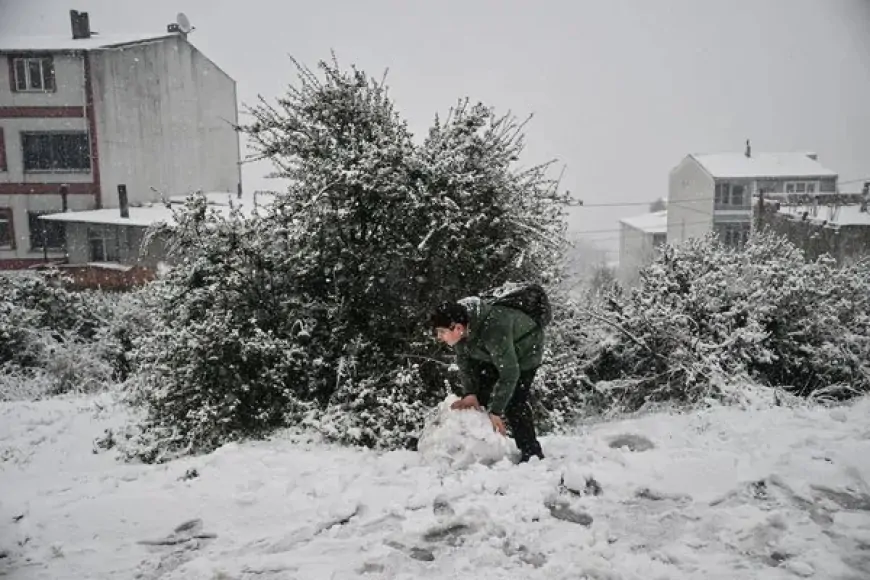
(722, 494)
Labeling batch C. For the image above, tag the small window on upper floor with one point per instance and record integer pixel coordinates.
(33, 74)
(800, 187)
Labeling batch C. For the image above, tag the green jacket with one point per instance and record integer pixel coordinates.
(505, 337)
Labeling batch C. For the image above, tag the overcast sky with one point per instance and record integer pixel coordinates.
(621, 90)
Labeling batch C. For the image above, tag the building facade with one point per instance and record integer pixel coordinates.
(716, 192)
(82, 114)
(640, 238)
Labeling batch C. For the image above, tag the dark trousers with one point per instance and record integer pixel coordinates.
(518, 411)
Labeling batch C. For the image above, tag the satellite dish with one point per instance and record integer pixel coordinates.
(183, 23)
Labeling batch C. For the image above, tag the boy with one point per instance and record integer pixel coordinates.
(498, 351)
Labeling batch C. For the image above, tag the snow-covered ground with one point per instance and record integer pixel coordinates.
(723, 494)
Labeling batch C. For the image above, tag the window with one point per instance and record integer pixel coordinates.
(2, 151)
(33, 73)
(102, 245)
(659, 240)
(45, 234)
(731, 196)
(721, 194)
(733, 235)
(7, 229)
(800, 187)
(68, 151)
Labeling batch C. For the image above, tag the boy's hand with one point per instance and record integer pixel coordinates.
(498, 424)
(466, 402)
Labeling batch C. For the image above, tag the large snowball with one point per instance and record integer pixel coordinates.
(461, 438)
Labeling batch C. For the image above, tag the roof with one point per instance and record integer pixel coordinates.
(650, 223)
(155, 213)
(776, 165)
(834, 215)
(60, 43)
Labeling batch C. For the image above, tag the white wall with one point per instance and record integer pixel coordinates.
(69, 80)
(636, 250)
(164, 114)
(690, 201)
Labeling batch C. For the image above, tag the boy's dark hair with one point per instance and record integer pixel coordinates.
(447, 314)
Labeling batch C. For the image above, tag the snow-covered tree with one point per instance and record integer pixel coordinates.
(318, 306)
(705, 316)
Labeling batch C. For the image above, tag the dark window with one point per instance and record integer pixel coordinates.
(659, 240)
(737, 195)
(45, 234)
(7, 229)
(102, 245)
(56, 151)
(33, 73)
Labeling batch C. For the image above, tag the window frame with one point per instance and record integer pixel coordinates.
(101, 234)
(726, 192)
(78, 132)
(33, 218)
(47, 74)
(810, 187)
(10, 219)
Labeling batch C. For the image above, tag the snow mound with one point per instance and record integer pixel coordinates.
(462, 438)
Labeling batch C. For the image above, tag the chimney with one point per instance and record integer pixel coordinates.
(748, 151)
(81, 25)
(122, 201)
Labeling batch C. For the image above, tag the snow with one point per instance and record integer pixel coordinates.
(139, 216)
(154, 213)
(67, 42)
(724, 493)
(774, 165)
(651, 223)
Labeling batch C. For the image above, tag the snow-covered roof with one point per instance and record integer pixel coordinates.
(154, 213)
(58, 43)
(842, 215)
(775, 165)
(650, 223)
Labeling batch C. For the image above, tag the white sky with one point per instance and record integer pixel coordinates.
(621, 89)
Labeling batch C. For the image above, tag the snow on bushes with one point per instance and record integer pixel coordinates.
(51, 339)
(705, 316)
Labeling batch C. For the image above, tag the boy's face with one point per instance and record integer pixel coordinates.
(450, 336)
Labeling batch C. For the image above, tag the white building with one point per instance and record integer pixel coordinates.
(714, 192)
(640, 237)
(93, 112)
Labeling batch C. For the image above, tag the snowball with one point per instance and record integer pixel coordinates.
(462, 438)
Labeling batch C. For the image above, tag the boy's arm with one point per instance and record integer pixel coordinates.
(504, 356)
(469, 384)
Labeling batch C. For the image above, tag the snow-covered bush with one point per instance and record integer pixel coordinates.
(320, 303)
(704, 315)
(50, 337)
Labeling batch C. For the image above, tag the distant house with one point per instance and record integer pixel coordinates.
(83, 113)
(714, 192)
(640, 238)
